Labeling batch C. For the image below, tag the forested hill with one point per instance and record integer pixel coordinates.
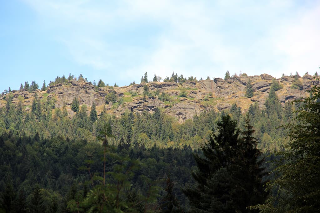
(172, 113)
(181, 145)
(180, 97)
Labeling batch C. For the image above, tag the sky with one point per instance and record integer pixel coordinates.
(118, 41)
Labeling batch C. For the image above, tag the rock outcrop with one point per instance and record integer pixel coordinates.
(182, 100)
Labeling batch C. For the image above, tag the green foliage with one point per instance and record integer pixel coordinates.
(169, 203)
(164, 97)
(229, 168)
(75, 105)
(297, 84)
(276, 85)
(34, 86)
(155, 78)
(297, 183)
(111, 96)
(192, 79)
(101, 83)
(36, 200)
(174, 78)
(8, 197)
(145, 90)
(44, 87)
(183, 93)
(26, 86)
(144, 79)
(273, 105)
(93, 113)
(227, 75)
(249, 90)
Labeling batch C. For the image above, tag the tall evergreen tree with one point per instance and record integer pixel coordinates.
(227, 75)
(252, 169)
(249, 90)
(7, 198)
(170, 204)
(20, 204)
(36, 201)
(44, 87)
(226, 180)
(93, 113)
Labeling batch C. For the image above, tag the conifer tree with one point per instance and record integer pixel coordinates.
(249, 90)
(227, 75)
(44, 87)
(7, 197)
(101, 83)
(155, 79)
(93, 113)
(170, 204)
(36, 201)
(229, 175)
(75, 105)
(20, 204)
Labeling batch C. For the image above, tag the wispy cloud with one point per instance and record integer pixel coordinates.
(198, 38)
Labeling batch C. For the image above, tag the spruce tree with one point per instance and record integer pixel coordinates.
(20, 204)
(44, 87)
(169, 203)
(36, 200)
(249, 90)
(93, 113)
(252, 169)
(229, 174)
(227, 75)
(101, 83)
(7, 197)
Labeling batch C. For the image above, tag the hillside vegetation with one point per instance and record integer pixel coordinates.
(181, 145)
(173, 113)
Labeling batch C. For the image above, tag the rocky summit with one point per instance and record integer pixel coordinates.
(181, 100)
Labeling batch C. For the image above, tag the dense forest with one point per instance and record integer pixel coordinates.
(263, 159)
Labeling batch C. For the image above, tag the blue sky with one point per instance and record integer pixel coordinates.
(118, 41)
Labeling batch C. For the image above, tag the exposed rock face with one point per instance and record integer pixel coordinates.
(262, 85)
(184, 111)
(83, 91)
(183, 100)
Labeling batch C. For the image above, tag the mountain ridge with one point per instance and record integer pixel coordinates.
(182, 100)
